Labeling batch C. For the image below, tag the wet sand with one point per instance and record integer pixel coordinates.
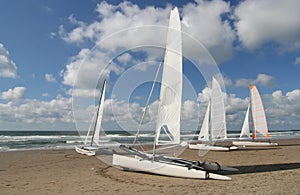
(274, 170)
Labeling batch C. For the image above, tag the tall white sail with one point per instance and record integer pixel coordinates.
(245, 133)
(168, 119)
(99, 116)
(259, 120)
(204, 132)
(218, 118)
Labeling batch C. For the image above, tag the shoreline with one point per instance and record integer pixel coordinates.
(70, 147)
(63, 171)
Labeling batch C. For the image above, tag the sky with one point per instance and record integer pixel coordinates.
(54, 55)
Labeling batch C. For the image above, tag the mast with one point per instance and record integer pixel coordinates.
(251, 103)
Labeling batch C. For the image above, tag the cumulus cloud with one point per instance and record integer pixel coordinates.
(203, 20)
(261, 79)
(260, 22)
(8, 68)
(207, 21)
(125, 58)
(114, 18)
(50, 78)
(283, 110)
(56, 113)
(14, 94)
(297, 60)
(84, 71)
(139, 25)
(204, 96)
(235, 104)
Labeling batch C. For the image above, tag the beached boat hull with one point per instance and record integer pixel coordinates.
(161, 168)
(86, 151)
(213, 148)
(253, 144)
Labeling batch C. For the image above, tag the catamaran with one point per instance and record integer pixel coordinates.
(214, 123)
(91, 148)
(259, 122)
(168, 122)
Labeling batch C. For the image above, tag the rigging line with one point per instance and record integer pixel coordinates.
(147, 105)
(90, 127)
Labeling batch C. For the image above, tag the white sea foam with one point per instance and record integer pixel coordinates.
(38, 140)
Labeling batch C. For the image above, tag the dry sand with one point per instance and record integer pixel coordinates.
(262, 171)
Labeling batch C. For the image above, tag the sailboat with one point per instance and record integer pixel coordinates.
(91, 148)
(214, 123)
(168, 122)
(259, 122)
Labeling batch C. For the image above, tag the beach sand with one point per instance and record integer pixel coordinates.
(273, 170)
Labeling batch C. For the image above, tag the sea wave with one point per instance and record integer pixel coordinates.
(10, 141)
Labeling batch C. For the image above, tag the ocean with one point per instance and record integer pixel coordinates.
(37, 140)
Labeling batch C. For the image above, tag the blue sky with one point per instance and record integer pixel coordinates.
(44, 44)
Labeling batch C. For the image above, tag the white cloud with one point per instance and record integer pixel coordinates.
(189, 110)
(235, 111)
(297, 60)
(8, 68)
(227, 80)
(52, 34)
(47, 9)
(204, 96)
(50, 78)
(37, 114)
(283, 110)
(261, 79)
(84, 71)
(294, 96)
(126, 26)
(14, 94)
(259, 22)
(45, 94)
(125, 58)
(203, 20)
(114, 18)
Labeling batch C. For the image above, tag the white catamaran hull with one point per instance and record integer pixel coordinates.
(210, 147)
(161, 168)
(253, 144)
(86, 151)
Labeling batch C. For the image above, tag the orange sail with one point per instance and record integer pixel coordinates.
(259, 121)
